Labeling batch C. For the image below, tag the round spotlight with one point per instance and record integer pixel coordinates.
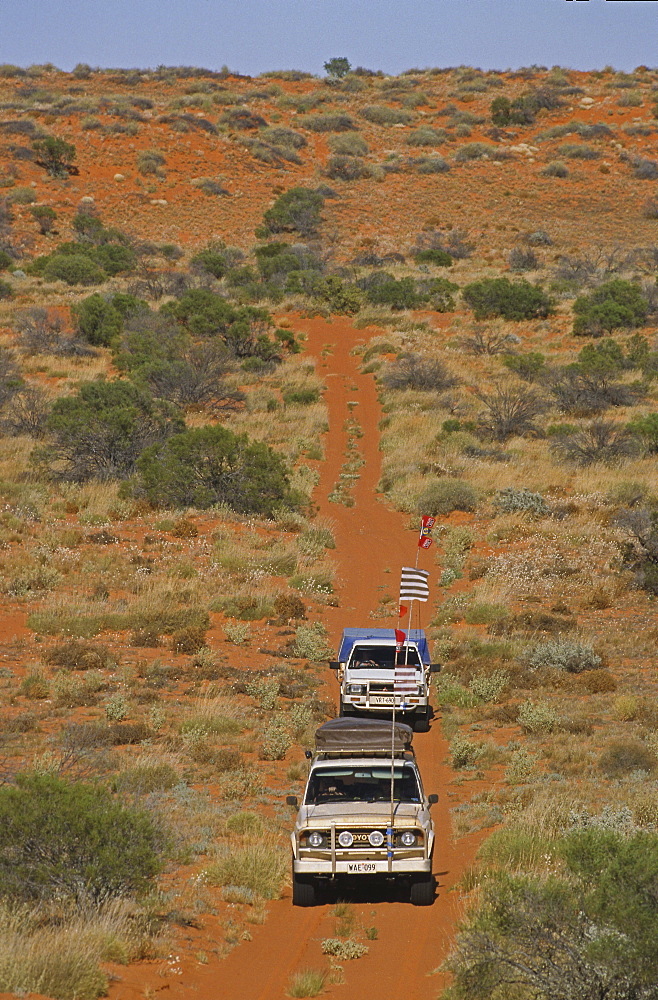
(408, 838)
(345, 838)
(376, 838)
(315, 838)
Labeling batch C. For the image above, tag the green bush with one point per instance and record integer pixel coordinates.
(59, 839)
(151, 162)
(425, 136)
(563, 654)
(348, 144)
(612, 306)
(327, 123)
(347, 168)
(100, 431)
(211, 465)
(447, 495)
(537, 717)
(338, 67)
(56, 155)
(97, 320)
(74, 269)
(6, 290)
(382, 114)
(440, 258)
(296, 209)
(396, 294)
(45, 216)
(512, 300)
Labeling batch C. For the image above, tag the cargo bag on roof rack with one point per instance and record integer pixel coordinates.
(362, 734)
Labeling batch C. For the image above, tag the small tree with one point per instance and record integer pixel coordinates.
(510, 411)
(601, 441)
(211, 465)
(513, 300)
(296, 209)
(55, 155)
(338, 67)
(45, 216)
(614, 305)
(100, 432)
(97, 320)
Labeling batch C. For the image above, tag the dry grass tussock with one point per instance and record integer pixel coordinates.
(60, 955)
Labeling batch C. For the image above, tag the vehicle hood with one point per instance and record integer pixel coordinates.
(378, 813)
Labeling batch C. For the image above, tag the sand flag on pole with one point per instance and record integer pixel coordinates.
(414, 584)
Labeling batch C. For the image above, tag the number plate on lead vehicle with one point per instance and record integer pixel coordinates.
(361, 867)
(381, 699)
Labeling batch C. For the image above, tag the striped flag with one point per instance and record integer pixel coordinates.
(414, 584)
(404, 681)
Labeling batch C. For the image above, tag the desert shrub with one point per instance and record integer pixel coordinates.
(464, 752)
(280, 135)
(35, 685)
(598, 681)
(556, 168)
(55, 155)
(522, 260)
(537, 717)
(581, 391)
(563, 654)
(97, 320)
(447, 495)
(511, 300)
(344, 949)
(511, 500)
(348, 144)
(645, 170)
(142, 779)
(382, 114)
(475, 151)
(425, 136)
(307, 983)
(296, 209)
(429, 164)
(72, 840)
(289, 607)
(328, 122)
(347, 168)
(521, 768)
(612, 306)
(433, 255)
(489, 687)
(601, 441)
(310, 642)
(45, 216)
(74, 269)
(509, 411)
(150, 162)
(76, 655)
(100, 431)
(277, 740)
(261, 865)
(422, 373)
(6, 290)
(385, 290)
(622, 757)
(190, 639)
(338, 67)
(211, 465)
(578, 151)
(265, 691)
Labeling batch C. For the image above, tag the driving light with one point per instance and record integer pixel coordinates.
(408, 838)
(345, 838)
(376, 838)
(315, 838)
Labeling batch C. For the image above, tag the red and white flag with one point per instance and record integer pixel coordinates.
(405, 680)
(426, 524)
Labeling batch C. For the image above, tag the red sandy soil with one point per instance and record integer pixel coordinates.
(372, 543)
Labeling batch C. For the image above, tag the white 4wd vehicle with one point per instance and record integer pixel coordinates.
(366, 669)
(347, 827)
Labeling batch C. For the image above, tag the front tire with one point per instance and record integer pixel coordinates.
(421, 892)
(303, 892)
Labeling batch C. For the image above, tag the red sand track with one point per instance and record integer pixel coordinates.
(372, 543)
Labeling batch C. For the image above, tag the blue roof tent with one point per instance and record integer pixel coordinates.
(352, 636)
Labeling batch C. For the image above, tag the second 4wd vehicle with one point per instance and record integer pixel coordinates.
(365, 668)
(354, 822)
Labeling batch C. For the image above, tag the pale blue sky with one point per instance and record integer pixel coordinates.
(253, 36)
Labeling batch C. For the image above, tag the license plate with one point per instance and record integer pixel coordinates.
(381, 699)
(361, 867)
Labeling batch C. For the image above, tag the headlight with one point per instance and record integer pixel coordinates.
(376, 838)
(315, 838)
(421, 689)
(408, 838)
(345, 838)
(356, 689)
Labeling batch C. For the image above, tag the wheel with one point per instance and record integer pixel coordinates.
(343, 709)
(421, 892)
(303, 893)
(422, 722)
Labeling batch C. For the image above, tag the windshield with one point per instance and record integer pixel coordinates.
(382, 656)
(347, 783)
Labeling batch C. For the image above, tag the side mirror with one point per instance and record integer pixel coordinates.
(432, 799)
(334, 665)
(291, 800)
(308, 754)
(434, 668)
